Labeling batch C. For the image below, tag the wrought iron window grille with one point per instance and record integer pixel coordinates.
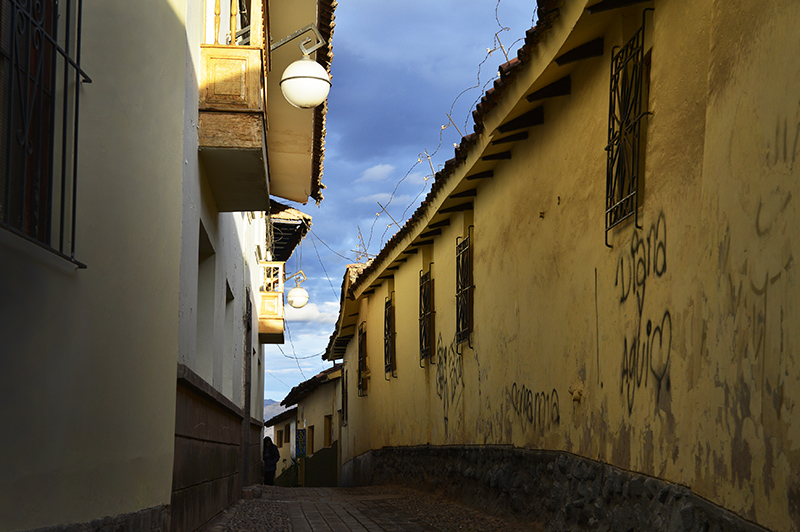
(426, 316)
(464, 289)
(344, 399)
(624, 131)
(40, 81)
(363, 369)
(389, 334)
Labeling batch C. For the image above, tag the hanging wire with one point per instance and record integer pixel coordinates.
(277, 379)
(329, 248)
(295, 357)
(328, 277)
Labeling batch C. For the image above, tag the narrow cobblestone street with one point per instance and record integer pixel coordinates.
(373, 508)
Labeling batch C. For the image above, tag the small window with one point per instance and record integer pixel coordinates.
(630, 79)
(310, 441)
(279, 438)
(39, 89)
(363, 368)
(426, 312)
(343, 411)
(389, 352)
(464, 289)
(328, 431)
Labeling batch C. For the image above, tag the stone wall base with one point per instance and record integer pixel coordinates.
(154, 519)
(560, 491)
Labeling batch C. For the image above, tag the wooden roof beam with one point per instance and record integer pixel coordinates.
(607, 5)
(593, 48)
(534, 117)
(562, 87)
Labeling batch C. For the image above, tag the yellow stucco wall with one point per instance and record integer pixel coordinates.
(673, 353)
(312, 410)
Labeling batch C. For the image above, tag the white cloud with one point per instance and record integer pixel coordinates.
(379, 172)
(311, 313)
(384, 197)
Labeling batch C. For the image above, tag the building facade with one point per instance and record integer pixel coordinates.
(318, 425)
(136, 170)
(283, 428)
(593, 319)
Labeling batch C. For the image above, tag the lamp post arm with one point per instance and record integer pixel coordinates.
(296, 276)
(320, 41)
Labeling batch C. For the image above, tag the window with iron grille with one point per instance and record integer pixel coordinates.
(629, 77)
(343, 411)
(363, 369)
(463, 290)
(426, 312)
(40, 81)
(389, 353)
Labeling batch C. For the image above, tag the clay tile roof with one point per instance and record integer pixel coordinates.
(305, 388)
(283, 416)
(289, 227)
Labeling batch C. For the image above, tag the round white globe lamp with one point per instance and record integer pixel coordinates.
(297, 297)
(305, 84)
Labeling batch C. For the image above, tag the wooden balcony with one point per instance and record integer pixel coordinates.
(232, 133)
(270, 309)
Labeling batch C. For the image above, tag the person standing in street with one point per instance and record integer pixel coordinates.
(271, 455)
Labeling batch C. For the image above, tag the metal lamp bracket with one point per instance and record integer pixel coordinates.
(319, 43)
(296, 277)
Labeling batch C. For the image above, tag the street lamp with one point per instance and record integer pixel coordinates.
(297, 296)
(305, 83)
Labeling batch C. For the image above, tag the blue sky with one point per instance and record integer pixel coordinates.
(399, 69)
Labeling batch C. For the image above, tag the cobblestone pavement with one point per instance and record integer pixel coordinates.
(373, 508)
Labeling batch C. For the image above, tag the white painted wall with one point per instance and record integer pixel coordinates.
(88, 357)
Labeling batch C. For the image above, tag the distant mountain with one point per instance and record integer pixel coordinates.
(272, 408)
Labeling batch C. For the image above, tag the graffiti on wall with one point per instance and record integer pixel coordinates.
(449, 377)
(537, 410)
(646, 350)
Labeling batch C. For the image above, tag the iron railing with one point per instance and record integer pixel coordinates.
(426, 313)
(40, 79)
(363, 369)
(624, 132)
(389, 352)
(463, 290)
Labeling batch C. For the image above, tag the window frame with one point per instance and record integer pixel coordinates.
(363, 368)
(627, 107)
(427, 311)
(389, 337)
(40, 80)
(464, 289)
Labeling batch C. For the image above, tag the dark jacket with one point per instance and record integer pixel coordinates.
(271, 456)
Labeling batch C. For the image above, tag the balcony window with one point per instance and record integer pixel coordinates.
(426, 313)
(40, 78)
(627, 108)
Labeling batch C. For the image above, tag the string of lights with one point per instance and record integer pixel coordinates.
(362, 251)
(497, 45)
